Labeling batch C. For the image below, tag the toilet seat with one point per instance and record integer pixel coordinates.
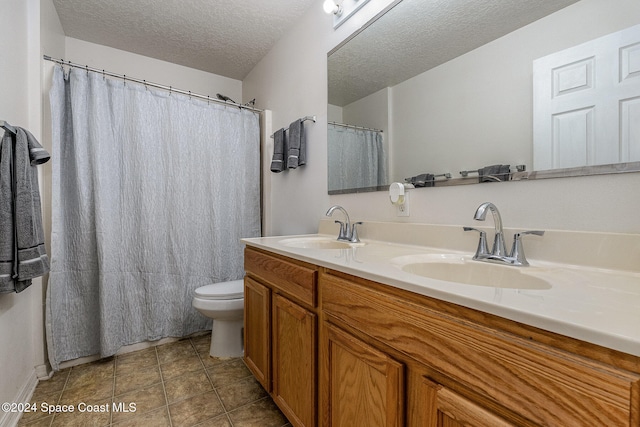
(221, 291)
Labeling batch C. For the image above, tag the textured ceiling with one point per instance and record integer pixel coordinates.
(417, 35)
(224, 37)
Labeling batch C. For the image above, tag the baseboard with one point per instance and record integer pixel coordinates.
(10, 419)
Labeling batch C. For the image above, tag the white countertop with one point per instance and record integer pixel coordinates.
(596, 305)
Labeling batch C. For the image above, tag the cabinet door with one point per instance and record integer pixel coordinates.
(294, 361)
(257, 318)
(444, 408)
(362, 386)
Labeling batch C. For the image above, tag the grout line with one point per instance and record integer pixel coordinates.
(206, 372)
(113, 389)
(215, 389)
(164, 390)
(64, 387)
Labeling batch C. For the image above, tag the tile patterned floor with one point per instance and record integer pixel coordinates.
(173, 385)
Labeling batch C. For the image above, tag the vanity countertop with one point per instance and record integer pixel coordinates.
(596, 305)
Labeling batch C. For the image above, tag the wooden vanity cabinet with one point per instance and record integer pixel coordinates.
(280, 336)
(450, 366)
(336, 350)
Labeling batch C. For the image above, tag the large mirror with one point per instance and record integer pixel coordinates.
(443, 92)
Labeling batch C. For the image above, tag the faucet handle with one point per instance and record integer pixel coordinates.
(517, 250)
(354, 232)
(483, 249)
(343, 231)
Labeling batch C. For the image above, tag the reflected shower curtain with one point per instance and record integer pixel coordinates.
(151, 193)
(356, 158)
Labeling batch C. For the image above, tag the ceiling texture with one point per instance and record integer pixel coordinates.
(229, 37)
(224, 37)
(418, 35)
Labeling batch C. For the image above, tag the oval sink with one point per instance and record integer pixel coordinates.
(315, 243)
(460, 269)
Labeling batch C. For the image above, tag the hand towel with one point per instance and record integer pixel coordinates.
(494, 173)
(422, 180)
(297, 145)
(22, 252)
(279, 148)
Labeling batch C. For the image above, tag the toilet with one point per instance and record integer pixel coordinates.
(224, 303)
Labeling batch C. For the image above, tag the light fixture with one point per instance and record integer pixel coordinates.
(343, 11)
(331, 7)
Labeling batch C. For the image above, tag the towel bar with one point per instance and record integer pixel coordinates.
(304, 119)
(6, 126)
(519, 168)
(466, 173)
(445, 175)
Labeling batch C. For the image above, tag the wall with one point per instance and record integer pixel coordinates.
(51, 43)
(16, 352)
(299, 199)
(21, 328)
(152, 70)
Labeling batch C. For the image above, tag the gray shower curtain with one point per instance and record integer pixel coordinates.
(151, 193)
(356, 158)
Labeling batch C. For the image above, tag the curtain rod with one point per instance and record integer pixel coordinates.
(354, 127)
(155, 85)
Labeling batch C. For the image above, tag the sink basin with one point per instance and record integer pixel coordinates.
(315, 243)
(462, 269)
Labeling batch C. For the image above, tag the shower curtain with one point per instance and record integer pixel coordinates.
(151, 193)
(356, 158)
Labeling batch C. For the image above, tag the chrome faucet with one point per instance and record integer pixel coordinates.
(348, 232)
(499, 248)
(499, 252)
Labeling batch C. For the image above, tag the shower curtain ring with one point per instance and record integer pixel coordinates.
(86, 67)
(124, 77)
(103, 77)
(145, 85)
(170, 89)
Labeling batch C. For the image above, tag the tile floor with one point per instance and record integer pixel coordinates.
(174, 385)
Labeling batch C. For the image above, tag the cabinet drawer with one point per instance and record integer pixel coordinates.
(293, 278)
(543, 384)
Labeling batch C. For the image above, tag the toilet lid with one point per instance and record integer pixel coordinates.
(222, 290)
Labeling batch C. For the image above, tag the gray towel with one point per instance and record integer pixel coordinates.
(297, 145)
(494, 173)
(422, 180)
(22, 251)
(279, 148)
